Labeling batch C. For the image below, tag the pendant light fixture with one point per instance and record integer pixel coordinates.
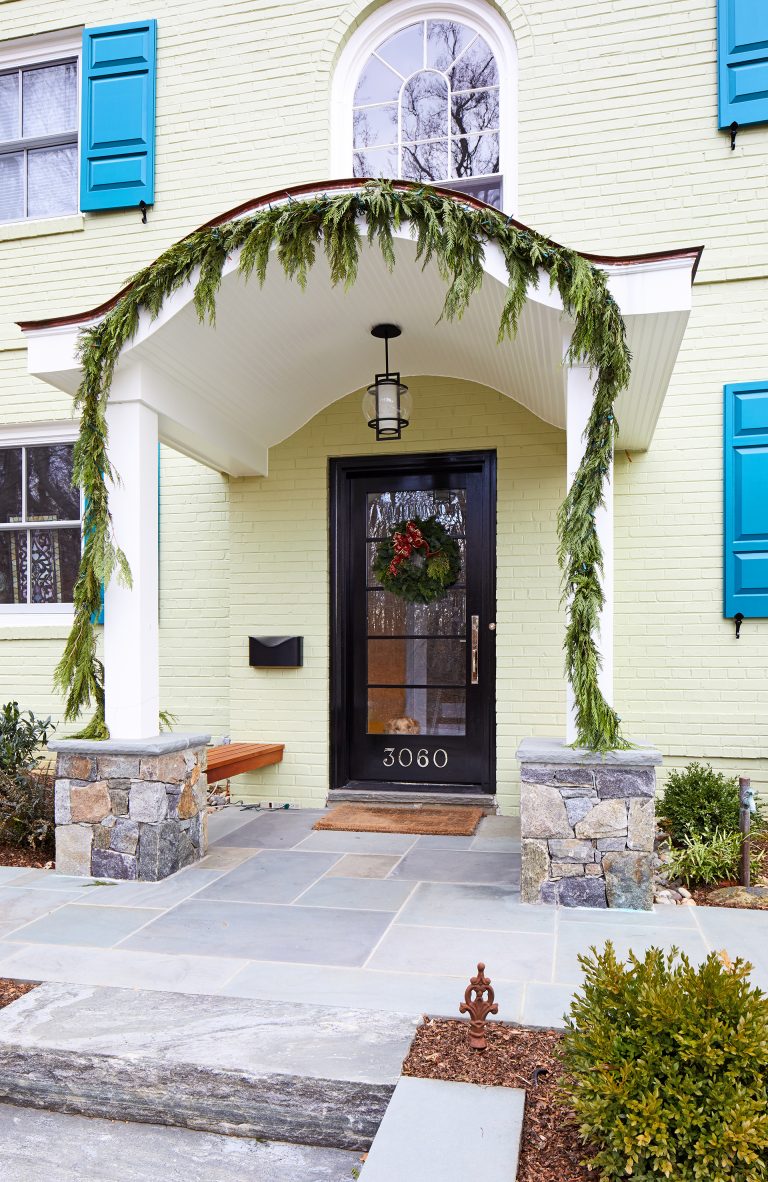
(387, 402)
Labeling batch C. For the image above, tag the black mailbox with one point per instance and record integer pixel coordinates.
(276, 652)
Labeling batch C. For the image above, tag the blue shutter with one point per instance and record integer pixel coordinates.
(742, 48)
(117, 144)
(746, 499)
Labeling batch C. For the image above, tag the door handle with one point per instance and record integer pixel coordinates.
(474, 676)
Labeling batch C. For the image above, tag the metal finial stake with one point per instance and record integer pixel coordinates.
(478, 1007)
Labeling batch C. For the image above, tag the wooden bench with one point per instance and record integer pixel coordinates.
(231, 759)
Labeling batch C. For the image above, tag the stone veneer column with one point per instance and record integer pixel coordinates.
(587, 825)
(130, 809)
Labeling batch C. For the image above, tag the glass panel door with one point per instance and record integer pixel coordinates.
(413, 703)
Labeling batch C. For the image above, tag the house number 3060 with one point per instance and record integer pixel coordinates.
(405, 757)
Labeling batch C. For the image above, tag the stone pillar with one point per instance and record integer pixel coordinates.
(130, 809)
(587, 825)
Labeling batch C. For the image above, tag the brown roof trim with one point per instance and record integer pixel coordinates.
(694, 252)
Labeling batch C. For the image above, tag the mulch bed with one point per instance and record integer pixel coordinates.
(551, 1150)
(11, 990)
(14, 855)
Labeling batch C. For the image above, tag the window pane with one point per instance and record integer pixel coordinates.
(445, 41)
(52, 181)
(51, 496)
(55, 563)
(408, 711)
(49, 100)
(476, 68)
(11, 187)
(13, 567)
(475, 110)
(425, 162)
(375, 125)
(425, 107)
(10, 484)
(405, 50)
(417, 661)
(381, 162)
(9, 106)
(385, 509)
(390, 615)
(378, 84)
(475, 155)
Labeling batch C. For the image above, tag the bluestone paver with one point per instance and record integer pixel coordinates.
(514, 956)
(422, 865)
(368, 894)
(261, 931)
(434, 1129)
(86, 926)
(474, 906)
(272, 876)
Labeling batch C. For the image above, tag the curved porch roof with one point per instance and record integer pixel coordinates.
(278, 355)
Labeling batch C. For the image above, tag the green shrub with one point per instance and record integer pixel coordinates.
(26, 810)
(26, 795)
(667, 1068)
(21, 737)
(703, 861)
(697, 801)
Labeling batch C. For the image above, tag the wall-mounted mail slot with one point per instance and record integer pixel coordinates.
(276, 652)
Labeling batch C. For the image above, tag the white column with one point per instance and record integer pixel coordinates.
(579, 395)
(131, 652)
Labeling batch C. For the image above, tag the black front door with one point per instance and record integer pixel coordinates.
(412, 693)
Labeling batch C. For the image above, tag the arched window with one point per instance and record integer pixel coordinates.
(427, 94)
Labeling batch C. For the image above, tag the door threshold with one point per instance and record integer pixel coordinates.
(375, 796)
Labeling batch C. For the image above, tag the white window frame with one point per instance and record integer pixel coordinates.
(38, 435)
(46, 49)
(390, 19)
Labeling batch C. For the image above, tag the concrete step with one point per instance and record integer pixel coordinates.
(434, 1129)
(482, 800)
(38, 1145)
(282, 1071)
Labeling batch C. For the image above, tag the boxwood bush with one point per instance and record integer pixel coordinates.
(667, 1068)
(698, 801)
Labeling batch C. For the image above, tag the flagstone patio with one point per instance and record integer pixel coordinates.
(377, 921)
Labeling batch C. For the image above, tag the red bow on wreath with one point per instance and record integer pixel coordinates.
(405, 544)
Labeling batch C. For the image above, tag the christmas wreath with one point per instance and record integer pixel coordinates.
(418, 560)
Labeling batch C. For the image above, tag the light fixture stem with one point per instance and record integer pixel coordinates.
(386, 353)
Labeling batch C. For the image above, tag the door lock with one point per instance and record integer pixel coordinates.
(492, 627)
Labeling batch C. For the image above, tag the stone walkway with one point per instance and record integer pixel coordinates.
(59, 1147)
(377, 921)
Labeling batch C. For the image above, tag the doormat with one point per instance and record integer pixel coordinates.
(441, 820)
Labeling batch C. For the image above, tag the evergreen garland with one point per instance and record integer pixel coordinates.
(451, 233)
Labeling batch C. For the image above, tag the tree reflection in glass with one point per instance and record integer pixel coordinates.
(427, 103)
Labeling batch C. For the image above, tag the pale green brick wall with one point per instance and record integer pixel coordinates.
(279, 583)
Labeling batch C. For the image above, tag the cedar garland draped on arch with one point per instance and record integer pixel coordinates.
(453, 234)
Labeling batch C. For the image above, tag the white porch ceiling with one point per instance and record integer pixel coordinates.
(278, 355)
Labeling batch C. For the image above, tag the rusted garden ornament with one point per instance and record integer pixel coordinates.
(478, 1003)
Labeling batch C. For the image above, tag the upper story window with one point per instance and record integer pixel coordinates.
(427, 107)
(40, 525)
(38, 141)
